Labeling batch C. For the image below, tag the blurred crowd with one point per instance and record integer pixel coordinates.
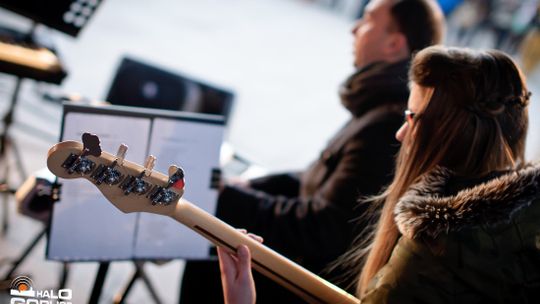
(508, 25)
(512, 24)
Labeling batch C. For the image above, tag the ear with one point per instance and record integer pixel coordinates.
(396, 45)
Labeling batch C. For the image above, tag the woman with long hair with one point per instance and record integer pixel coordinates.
(460, 223)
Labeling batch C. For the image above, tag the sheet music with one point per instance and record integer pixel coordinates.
(195, 147)
(85, 225)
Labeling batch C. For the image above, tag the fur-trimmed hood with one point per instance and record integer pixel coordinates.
(424, 211)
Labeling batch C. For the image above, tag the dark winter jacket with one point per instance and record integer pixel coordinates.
(308, 217)
(465, 242)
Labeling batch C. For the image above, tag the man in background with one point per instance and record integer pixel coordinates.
(313, 217)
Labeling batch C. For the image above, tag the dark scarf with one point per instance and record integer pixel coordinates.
(374, 84)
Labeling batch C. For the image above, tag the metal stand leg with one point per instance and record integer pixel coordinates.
(63, 275)
(8, 118)
(24, 254)
(5, 213)
(5, 143)
(121, 297)
(98, 283)
(18, 159)
(148, 284)
(139, 273)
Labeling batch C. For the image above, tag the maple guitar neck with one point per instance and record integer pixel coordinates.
(134, 188)
(297, 279)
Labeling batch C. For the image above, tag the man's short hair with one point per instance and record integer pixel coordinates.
(421, 21)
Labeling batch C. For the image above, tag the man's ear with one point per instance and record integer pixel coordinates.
(396, 45)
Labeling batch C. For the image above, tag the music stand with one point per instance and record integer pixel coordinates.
(66, 16)
(130, 235)
(121, 296)
(139, 84)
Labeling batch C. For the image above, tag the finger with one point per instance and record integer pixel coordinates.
(227, 265)
(244, 231)
(256, 237)
(244, 263)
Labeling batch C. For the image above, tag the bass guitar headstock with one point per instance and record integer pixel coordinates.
(127, 185)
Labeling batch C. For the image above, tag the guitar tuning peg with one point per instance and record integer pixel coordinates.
(91, 145)
(121, 154)
(176, 177)
(149, 165)
(173, 169)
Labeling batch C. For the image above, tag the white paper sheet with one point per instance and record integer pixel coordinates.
(195, 147)
(85, 226)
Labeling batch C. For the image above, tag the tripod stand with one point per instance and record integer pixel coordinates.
(31, 67)
(6, 144)
(139, 273)
(121, 297)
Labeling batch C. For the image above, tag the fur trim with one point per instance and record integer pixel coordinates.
(423, 211)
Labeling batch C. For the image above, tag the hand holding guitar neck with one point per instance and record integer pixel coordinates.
(236, 275)
(134, 188)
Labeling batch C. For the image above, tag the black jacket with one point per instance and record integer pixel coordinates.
(308, 217)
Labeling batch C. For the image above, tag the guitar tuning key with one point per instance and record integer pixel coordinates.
(85, 166)
(155, 195)
(167, 197)
(140, 187)
(176, 177)
(135, 185)
(121, 154)
(91, 145)
(107, 174)
(79, 163)
(161, 196)
(149, 165)
(76, 163)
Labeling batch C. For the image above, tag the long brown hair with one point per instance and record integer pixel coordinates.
(475, 122)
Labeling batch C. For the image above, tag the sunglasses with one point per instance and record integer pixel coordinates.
(409, 116)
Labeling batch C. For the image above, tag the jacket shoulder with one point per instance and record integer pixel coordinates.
(412, 275)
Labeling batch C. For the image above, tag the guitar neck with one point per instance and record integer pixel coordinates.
(132, 188)
(290, 275)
